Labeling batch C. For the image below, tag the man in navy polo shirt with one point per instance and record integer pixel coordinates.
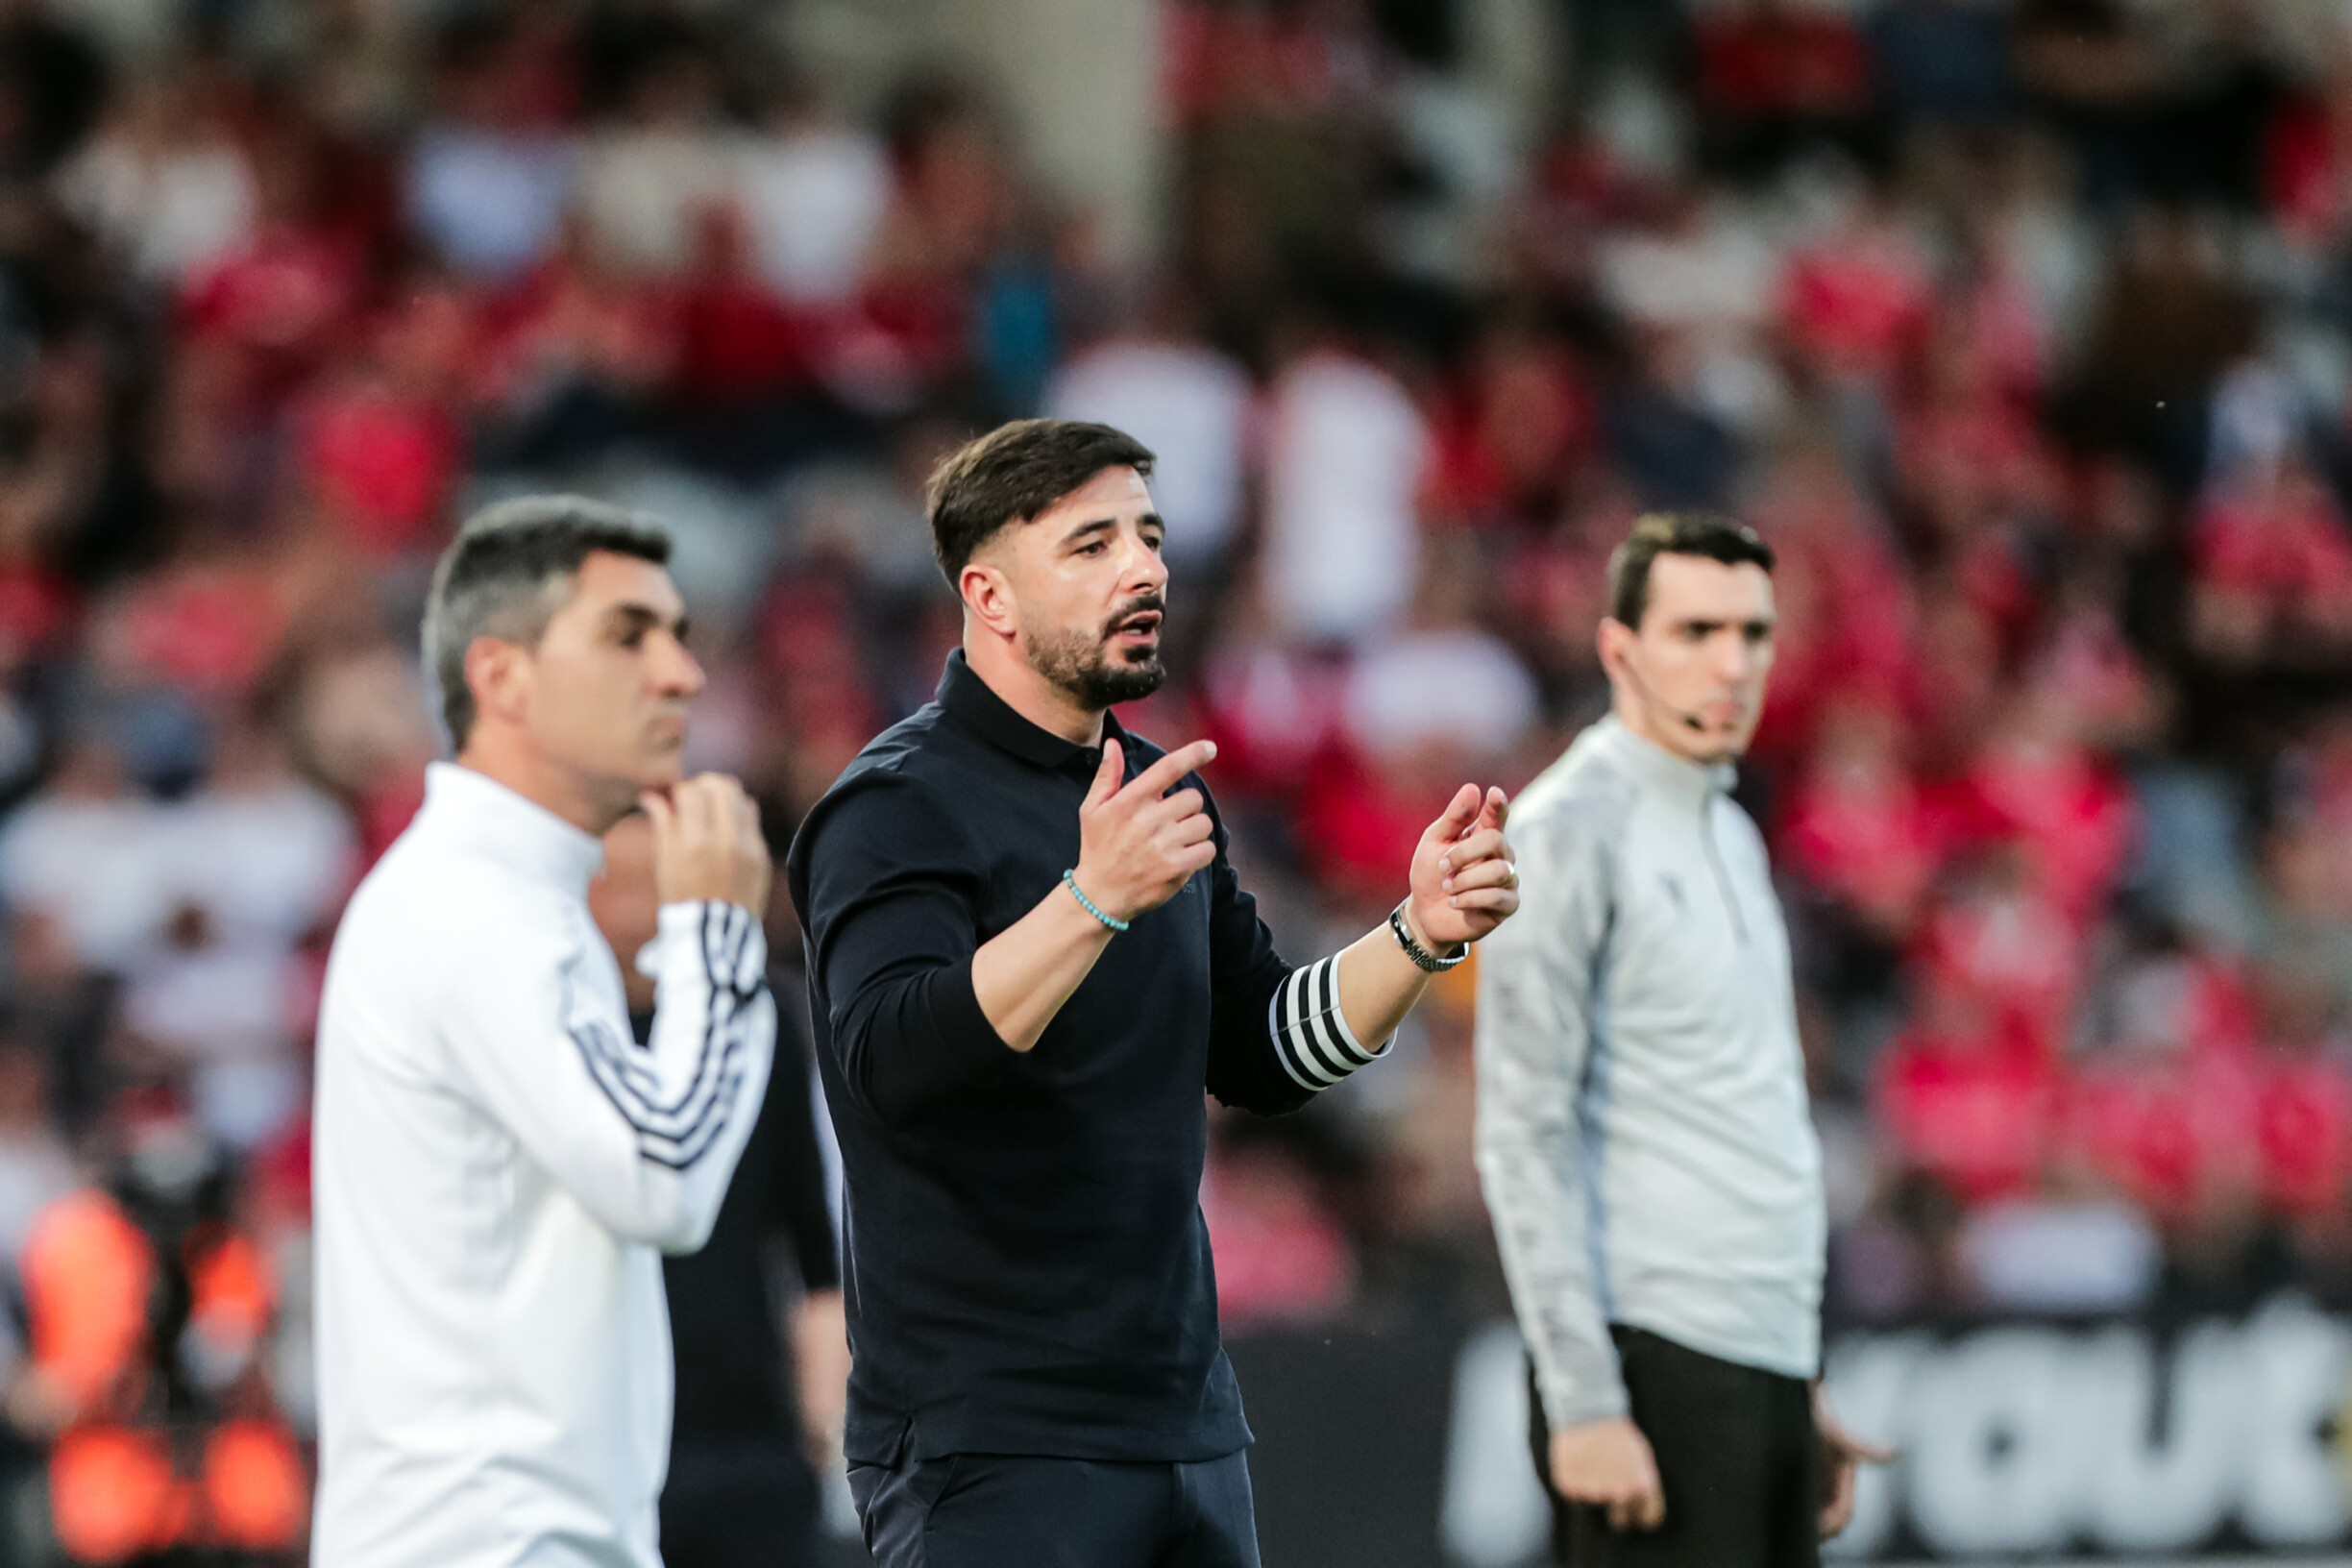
(1028, 956)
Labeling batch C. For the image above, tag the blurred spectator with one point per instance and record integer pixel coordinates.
(953, 203)
(1347, 453)
(1859, 829)
(645, 178)
(1443, 685)
(1655, 423)
(1189, 403)
(1280, 1257)
(1513, 432)
(1968, 1099)
(2304, 974)
(87, 855)
(2272, 567)
(36, 1166)
(163, 180)
(378, 440)
(1703, 274)
(2093, 69)
(488, 179)
(146, 1308)
(812, 190)
(1775, 74)
(2170, 319)
(575, 355)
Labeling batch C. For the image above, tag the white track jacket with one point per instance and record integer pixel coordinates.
(498, 1169)
(1643, 1133)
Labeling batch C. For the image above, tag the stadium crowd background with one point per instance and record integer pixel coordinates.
(2022, 331)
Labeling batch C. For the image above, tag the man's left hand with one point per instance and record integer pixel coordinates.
(1843, 1454)
(1465, 880)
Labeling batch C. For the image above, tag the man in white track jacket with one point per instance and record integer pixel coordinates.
(498, 1166)
(1643, 1133)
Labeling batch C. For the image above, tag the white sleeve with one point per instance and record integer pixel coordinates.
(645, 1138)
(1534, 1036)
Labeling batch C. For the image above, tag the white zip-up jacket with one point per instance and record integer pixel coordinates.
(1643, 1133)
(498, 1169)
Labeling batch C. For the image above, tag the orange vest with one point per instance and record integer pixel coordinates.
(121, 1485)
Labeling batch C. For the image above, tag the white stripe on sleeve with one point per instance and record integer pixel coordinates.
(1312, 1038)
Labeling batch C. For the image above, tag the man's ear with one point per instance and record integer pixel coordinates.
(987, 596)
(1612, 641)
(499, 673)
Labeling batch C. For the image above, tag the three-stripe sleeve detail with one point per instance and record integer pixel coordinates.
(677, 1129)
(1310, 1034)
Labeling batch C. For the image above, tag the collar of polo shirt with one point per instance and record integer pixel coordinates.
(974, 704)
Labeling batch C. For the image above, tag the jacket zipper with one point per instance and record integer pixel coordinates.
(1723, 873)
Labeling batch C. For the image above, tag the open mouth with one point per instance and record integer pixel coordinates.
(1143, 627)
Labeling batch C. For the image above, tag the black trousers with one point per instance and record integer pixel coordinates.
(1737, 1454)
(1008, 1510)
(738, 1505)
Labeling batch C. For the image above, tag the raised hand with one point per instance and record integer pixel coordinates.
(1138, 843)
(707, 843)
(1465, 879)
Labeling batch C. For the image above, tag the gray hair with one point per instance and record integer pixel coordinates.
(506, 573)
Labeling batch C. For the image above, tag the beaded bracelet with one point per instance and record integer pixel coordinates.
(1069, 880)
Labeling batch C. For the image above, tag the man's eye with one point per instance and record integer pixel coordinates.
(1095, 549)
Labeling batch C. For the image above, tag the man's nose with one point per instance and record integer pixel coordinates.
(1143, 571)
(678, 671)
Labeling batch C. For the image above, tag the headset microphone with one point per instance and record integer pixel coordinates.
(1691, 721)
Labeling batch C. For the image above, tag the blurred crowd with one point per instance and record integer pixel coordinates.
(2023, 330)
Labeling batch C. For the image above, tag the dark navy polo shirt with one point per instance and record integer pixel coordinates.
(1027, 1268)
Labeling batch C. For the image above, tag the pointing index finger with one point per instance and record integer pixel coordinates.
(1161, 775)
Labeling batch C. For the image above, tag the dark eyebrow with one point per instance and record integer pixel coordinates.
(1100, 524)
(633, 615)
(1705, 627)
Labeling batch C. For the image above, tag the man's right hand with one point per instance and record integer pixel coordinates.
(1608, 1464)
(1138, 845)
(707, 844)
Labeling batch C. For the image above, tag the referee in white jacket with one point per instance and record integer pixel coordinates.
(1643, 1132)
(499, 1167)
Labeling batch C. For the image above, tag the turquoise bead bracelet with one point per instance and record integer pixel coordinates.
(1069, 880)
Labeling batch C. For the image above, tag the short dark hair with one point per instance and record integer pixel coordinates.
(1013, 472)
(507, 573)
(1711, 534)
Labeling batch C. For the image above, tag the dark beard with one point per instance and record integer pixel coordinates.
(1082, 666)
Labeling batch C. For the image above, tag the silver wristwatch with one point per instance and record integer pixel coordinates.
(1419, 954)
